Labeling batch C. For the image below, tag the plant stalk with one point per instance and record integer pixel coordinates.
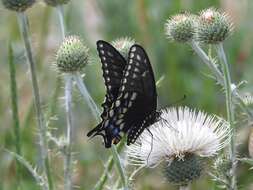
(230, 113)
(69, 136)
(108, 167)
(83, 90)
(61, 19)
(184, 188)
(119, 167)
(86, 95)
(24, 28)
(219, 77)
(15, 117)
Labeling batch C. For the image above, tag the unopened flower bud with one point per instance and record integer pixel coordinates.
(72, 55)
(213, 27)
(123, 45)
(54, 3)
(180, 28)
(18, 5)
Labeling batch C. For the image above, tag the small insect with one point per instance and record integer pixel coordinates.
(131, 98)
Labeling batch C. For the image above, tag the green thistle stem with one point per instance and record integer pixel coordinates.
(184, 188)
(119, 167)
(23, 23)
(14, 100)
(83, 90)
(219, 77)
(61, 19)
(211, 65)
(86, 95)
(230, 113)
(69, 136)
(108, 167)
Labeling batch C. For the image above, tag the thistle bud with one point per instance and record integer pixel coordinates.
(213, 27)
(123, 45)
(72, 55)
(183, 171)
(180, 28)
(18, 5)
(54, 3)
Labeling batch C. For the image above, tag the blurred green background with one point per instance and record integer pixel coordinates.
(144, 21)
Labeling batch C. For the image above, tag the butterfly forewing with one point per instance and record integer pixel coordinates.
(113, 64)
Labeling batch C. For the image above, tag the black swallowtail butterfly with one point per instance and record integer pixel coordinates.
(131, 99)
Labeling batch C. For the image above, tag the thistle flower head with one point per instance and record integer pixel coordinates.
(72, 55)
(18, 5)
(123, 45)
(213, 27)
(182, 138)
(180, 28)
(56, 2)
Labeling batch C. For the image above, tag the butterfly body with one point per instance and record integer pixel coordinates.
(131, 100)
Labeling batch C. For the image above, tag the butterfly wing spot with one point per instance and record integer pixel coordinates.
(134, 76)
(144, 74)
(127, 73)
(136, 70)
(131, 55)
(134, 95)
(124, 110)
(122, 126)
(117, 103)
(106, 123)
(101, 45)
(130, 104)
(124, 81)
(111, 113)
(121, 116)
(102, 52)
(108, 79)
(126, 96)
(128, 67)
(133, 49)
(119, 121)
(138, 57)
(110, 54)
(103, 58)
(130, 61)
(107, 72)
(123, 88)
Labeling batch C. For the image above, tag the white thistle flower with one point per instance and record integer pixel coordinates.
(181, 131)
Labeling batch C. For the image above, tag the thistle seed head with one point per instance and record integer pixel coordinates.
(18, 5)
(213, 27)
(72, 55)
(54, 3)
(180, 28)
(182, 171)
(123, 45)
